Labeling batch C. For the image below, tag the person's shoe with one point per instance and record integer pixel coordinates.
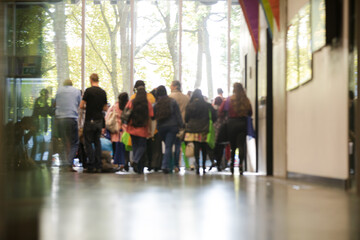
(89, 170)
(135, 167)
(197, 171)
(219, 169)
(126, 168)
(176, 169)
(241, 170)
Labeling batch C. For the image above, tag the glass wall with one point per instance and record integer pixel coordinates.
(205, 46)
(157, 42)
(44, 47)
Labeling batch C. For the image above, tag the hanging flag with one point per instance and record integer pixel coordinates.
(250, 9)
(271, 9)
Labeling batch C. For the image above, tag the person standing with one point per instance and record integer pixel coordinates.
(120, 156)
(182, 100)
(197, 125)
(149, 141)
(169, 121)
(95, 102)
(238, 108)
(41, 113)
(67, 101)
(139, 127)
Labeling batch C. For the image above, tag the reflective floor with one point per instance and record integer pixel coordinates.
(49, 204)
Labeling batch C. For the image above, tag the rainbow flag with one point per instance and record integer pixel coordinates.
(271, 9)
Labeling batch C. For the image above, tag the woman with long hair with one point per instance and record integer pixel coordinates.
(169, 121)
(238, 108)
(119, 154)
(139, 126)
(197, 125)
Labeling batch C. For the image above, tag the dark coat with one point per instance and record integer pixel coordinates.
(175, 119)
(197, 116)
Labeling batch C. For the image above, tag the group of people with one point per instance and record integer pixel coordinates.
(154, 119)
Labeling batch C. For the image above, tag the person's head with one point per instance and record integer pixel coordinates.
(238, 89)
(161, 91)
(140, 112)
(175, 85)
(139, 84)
(44, 93)
(220, 91)
(239, 100)
(94, 79)
(123, 99)
(218, 101)
(67, 82)
(197, 95)
(189, 93)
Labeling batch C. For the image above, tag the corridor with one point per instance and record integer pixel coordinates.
(64, 205)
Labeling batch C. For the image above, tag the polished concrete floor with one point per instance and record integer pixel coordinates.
(53, 205)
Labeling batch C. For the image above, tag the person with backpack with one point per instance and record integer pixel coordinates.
(169, 121)
(113, 124)
(139, 126)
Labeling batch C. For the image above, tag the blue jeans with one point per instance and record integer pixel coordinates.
(92, 132)
(139, 147)
(67, 129)
(119, 153)
(168, 135)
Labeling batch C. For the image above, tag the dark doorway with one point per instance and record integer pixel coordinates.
(269, 107)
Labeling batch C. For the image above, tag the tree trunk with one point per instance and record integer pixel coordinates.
(125, 46)
(114, 72)
(208, 62)
(61, 51)
(199, 57)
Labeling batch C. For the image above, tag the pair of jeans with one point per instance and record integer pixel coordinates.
(118, 153)
(168, 135)
(67, 130)
(92, 133)
(139, 148)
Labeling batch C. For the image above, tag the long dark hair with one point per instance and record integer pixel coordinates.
(123, 99)
(240, 101)
(197, 96)
(163, 104)
(140, 112)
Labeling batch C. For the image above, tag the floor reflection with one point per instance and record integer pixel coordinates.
(51, 204)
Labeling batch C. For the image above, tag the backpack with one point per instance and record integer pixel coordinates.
(111, 123)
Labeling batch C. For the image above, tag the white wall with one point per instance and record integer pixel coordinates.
(279, 95)
(317, 113)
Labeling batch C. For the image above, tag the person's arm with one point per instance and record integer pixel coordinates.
(105, 108)
(82, 104)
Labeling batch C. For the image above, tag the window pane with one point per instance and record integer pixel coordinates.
(108, 44)
(304, 42)
(157, 42)
(292, 74)
(204, 46)
(318, 19)
(237, 21)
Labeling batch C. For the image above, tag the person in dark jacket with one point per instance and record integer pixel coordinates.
(197, 125)
(238, 108)
(169, 121)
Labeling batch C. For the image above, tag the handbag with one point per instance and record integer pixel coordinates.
(126, 115)
(126, 140)
(210, 137)
(111, 123)
(189, 150)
